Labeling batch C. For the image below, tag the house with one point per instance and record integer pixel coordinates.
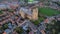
(25, 27)
(31, 32)
(14, 32)
(7, 31)
(4, 33)
(30, 12)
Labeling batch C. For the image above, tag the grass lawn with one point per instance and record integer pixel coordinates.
(48, 11)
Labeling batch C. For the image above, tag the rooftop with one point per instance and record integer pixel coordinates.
(8, 5)
(27, 11)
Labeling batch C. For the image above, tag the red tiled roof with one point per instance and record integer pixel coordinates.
(4, 33)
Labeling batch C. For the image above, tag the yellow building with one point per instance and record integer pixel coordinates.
(30, 12)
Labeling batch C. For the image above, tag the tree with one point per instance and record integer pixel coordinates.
(5, 26)
(19, 30)
(58, 3)
(10, 10)
(53, 28)
(1, 12)
(26, 1)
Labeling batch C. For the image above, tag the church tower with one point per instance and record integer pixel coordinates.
(35, 13)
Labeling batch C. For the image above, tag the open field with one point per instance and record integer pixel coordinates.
(48, 11)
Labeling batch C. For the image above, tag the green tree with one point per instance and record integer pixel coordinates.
(53, 28)
(1, 12)
(19, 30)
(10, 10)
(5, 26)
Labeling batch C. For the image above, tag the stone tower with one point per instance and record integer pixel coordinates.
(35, 13)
